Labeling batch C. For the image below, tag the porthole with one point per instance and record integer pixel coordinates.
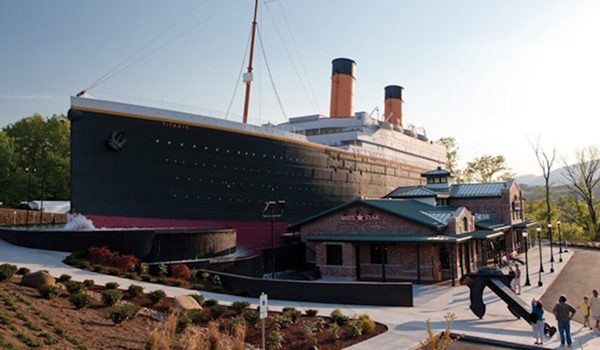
(181, 144)
(167, 160)
(175, 161)
(238, 152)
(246, 153)
(168, 142)
(217, 149)
(193, 146)
(264, 155)
(176, 177)
(157, 141)
(183, 162)
(174, 195)
(226, 151)
(206, 148)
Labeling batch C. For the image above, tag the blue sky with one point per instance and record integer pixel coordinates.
(493, 74)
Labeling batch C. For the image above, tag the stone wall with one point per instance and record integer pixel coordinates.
(10, 216)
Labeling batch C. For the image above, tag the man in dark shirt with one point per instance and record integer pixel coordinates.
(564, 313)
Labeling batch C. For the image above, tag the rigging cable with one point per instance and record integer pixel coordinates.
(310, 88)
(116, 70)
(239, 76)
(291, 59)
(262, 48)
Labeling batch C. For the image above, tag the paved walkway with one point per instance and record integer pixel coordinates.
(406, 325)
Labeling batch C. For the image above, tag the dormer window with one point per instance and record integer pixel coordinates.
(436, 180)
(429, 180)
(443, 180)
(465, 224)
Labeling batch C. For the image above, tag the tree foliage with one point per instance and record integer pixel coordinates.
(487, 168)
(583, 178)
(35, 154)
(451, 153)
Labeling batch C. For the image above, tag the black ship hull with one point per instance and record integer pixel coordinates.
(130, 166)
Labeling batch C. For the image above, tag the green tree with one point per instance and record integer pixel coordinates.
(485, 169)
(38, 150)
(451, 153)
(583, 178)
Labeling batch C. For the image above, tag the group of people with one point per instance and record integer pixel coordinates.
(564, 312)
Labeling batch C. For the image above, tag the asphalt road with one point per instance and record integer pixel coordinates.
(578, 278)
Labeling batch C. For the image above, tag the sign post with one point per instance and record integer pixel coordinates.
(263, 307)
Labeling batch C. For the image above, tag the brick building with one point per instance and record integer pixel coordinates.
(421, 233)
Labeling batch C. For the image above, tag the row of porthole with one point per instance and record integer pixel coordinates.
(237, 168)
(229, 185)
(240, 200)
(245, 153)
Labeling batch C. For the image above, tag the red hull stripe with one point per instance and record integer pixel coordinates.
(255, 234)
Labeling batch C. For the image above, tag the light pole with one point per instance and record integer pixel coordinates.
(560, 251)
(551, 252)
(28, 186)
(539, 232)
(272, 210)
(525, 233)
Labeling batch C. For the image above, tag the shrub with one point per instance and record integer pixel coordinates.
(275, 340)
(80, 300)
(84, 265)
(134, 291)
(157, 296)
(198, 316)
(7, 271)
(22, 271)
(111, 296)
(181, 271)
(113, 272)
(216, 280)
(251, 316)
(319, 324)
(111, 285)
(146, 277)
(211, 302)
(218, 310)
(293, 313)
(356, 328)
(131, 275)
(101, 255)
(183, 322)
(205, 276)
(163, 269)
(123, 312)
(334, 331)
(97, 268)
(240, 306)
(49, 292)
(283, 320)
(88, 283)
(143, 269)
(176, 283)
(311, 312)
(199, 298)
(74, 287)
(126, 263)
(368, 326)
(339, 318)
(161, 280)
(64, 278)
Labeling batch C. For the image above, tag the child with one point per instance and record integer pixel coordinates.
(585, 310)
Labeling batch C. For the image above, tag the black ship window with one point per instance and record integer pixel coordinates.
(157, 141)
(334, 254)
(206, 148)
(193, 146)
(181, 144)
(217, 149)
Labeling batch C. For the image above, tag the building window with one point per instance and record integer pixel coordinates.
(429, 180)
(376, 254)
(465, 224)
(443, 180)
(334, 254)
(444, 256)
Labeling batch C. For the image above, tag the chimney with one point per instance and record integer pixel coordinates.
(342, 88)
(393, 104)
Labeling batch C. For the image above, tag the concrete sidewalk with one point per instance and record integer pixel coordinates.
(406, 325)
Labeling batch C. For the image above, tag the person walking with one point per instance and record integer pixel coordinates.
(595, 309)
(564, 313)
(537, 321)
(517, 280)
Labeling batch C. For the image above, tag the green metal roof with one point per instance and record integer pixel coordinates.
(492, 224)
(387, 238)
(486, 234)
(412, 191)
(525, 224)
(436, 172)
(412, 210)
(478, 190)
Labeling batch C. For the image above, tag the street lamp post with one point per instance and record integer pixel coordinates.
(560, 251)
(28, 186)
(539, 232)
(272, 210)
(551, 252)
(525, 234)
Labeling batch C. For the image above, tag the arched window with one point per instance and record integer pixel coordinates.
(465, 225)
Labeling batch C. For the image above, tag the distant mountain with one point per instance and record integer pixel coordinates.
(557, 178)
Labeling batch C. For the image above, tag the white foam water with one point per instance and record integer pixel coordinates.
(78, 222)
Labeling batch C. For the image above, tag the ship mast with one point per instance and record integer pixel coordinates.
(248, 76)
